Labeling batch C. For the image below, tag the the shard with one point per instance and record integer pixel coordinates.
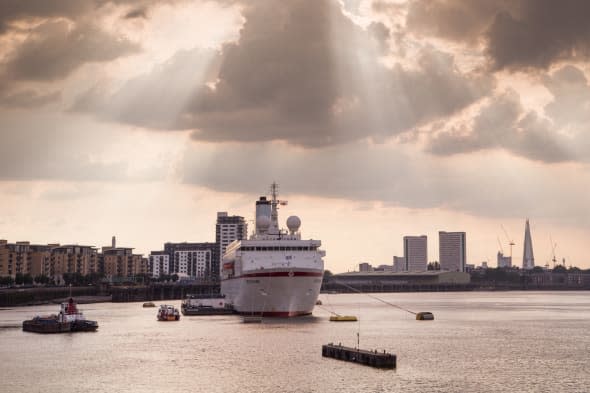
(528, 259)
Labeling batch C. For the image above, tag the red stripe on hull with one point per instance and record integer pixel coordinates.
(277, 314)
(281, 274)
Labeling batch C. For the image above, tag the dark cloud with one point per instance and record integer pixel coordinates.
(457, 20)
(54, 49)
(516, 34)
(137, 13)
(395, 176)
(544, 32)
(504, 124)
(306, 74)
(16, 10)
(12, 11)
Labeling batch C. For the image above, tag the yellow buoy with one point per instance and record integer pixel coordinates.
(343, 318)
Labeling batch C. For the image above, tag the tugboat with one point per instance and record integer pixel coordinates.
(69, 319)
(212, 304)
(168, 313)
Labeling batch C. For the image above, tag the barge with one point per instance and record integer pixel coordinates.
(361, 356)
(69, 319)
(206, 304)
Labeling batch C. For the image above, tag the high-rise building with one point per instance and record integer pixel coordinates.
(451, 251)
(399, 264)
(159, 263)
(227, 229)
(528, 259)
(415, 253)
(193, 259)
(504, 261)
(73, 258)
(365, 267)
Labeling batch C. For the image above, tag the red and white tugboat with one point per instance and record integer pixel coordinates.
(69, 319)
(69, 312)
(168, 313)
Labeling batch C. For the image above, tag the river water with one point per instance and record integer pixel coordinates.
(478, 342)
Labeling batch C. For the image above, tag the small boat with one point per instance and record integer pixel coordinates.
(343, 318)
(69, 319)
(149, 304)
(205, 304)
(168, 313)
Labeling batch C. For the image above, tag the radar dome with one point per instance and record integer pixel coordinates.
(262, 222)
(293, 223)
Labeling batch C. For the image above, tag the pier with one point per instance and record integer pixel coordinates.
(361, 356)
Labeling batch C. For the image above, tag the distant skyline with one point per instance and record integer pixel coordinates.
(379, 119)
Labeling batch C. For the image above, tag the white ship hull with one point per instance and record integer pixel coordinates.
(276, 292)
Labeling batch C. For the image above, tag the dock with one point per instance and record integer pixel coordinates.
(361, 356)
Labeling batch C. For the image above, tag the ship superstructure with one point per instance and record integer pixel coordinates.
(275, 272)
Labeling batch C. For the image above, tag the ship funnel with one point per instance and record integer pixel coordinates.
(263, 214)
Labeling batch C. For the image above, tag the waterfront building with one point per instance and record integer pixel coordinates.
(193, 263)
(72, 258)
(504, 261)
(452, 250)
(528, 259)
(384, 268)
(399, 264)
(23, 258)
(4, 267)
(121, 262)
(227, 229)
(365, 267)
(415, 253)
(159, 263)
(193, 259)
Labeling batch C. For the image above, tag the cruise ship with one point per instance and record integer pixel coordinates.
(275, 272)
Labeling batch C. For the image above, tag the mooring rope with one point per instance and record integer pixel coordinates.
(373, 297)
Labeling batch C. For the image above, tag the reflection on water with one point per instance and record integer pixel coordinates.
(479, 342)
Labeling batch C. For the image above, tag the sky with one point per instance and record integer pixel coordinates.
(378, 119)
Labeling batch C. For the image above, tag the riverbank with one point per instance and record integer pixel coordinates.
(14, 297)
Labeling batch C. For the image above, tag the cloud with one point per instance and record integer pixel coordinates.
(155, 100)
(543, 32)
(396, 176)
(456, 20)
(136, 13)
(17, 10)
(55, 49)
(45, 147)
(305, 74)
(504, 124)
(27, 97)
(517, 35)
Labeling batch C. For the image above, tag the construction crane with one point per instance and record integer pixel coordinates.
(510, 242)
(553, 247)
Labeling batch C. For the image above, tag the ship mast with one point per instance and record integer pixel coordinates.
(274, 215)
